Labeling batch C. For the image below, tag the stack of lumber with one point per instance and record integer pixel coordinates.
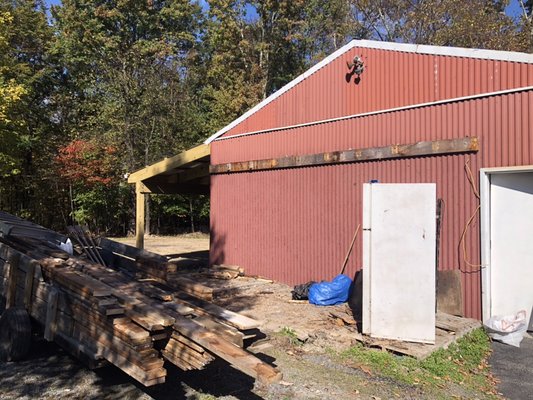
(144, 264)
(103, 315)
(223, 271)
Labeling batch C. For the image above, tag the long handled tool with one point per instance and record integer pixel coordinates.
(350, 249)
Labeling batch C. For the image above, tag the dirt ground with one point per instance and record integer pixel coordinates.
(301, 339)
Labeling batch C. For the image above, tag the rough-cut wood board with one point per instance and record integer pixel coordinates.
(456, 327)
(81, 351)
(177, 361)
(449, 292)
(145, 361)
(12, 281)
(231, 318)
(189, 286)
(128, 251)
(28, 285)
(123, 329)
(429, 148)
(187, 342)
(51, 311)
(82, 283)
(152, 310)
(188, 354)
(236, 356)
(229, 333)
(134, 371)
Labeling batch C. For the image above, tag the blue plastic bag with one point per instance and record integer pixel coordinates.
(330, 293)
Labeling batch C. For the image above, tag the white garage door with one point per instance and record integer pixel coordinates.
(511, 234)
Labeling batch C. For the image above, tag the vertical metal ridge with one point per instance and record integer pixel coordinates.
(294, 225)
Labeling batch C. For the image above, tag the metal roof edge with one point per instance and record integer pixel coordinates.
(509, 56)
(284, 89)
(499, 55)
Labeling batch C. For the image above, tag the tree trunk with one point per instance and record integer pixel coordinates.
(191, 214)
(72, 218)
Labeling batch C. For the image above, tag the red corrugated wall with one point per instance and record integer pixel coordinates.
(391, 79)
(295, 225)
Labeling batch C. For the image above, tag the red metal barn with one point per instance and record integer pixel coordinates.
(295, 224)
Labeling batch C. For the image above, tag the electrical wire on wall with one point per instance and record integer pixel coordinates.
(461, 250)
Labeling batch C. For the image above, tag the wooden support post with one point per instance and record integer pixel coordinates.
(28, 285)
(12, 282)
(139, 215)
(51, 311)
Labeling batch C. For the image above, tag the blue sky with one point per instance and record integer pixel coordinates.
(513, 9)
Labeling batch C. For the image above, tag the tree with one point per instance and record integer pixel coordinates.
(126, 62)
(96, 195)
(11, 93)
(475, 23)
(527, 23)
(26, 126)
(328, 25)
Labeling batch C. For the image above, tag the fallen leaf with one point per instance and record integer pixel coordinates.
(285, 383)
(366, 370)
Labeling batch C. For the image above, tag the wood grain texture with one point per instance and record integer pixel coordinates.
(419, 149)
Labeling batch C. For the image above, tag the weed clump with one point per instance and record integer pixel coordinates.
(463, 363)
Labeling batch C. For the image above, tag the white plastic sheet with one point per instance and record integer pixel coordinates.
(509, 329)
(67, 246)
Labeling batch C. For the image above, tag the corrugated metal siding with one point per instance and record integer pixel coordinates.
(295, 225)
(391, 79)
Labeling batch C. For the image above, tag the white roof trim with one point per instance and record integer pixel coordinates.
(284, 89)
(509, 56)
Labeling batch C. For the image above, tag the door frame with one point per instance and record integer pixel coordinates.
(485, 234)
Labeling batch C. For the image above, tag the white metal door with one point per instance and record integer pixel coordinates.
(399, 261)
(511, 237)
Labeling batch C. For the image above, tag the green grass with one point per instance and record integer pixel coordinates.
(463, 363)
(290, 335)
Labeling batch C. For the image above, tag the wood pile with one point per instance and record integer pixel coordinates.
(143, 264)
(223, 271)
(101, 314)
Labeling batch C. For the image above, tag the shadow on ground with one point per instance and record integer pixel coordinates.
(513, 366)
(50, 373)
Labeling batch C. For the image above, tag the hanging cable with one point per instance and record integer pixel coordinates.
(462, 240)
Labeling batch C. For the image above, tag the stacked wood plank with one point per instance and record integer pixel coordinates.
(101, 314)
(145, 264)
(223, 271)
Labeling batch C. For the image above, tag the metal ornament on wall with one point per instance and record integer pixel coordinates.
(356, 67)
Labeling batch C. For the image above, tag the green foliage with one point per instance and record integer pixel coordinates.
(464, 363)
(151, 78)
(475, 23)
(291, 336)
(173, 214)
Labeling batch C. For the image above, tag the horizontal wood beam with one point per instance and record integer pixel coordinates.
(420, 149)
(199, 171)
(185, 157)
(174, 188)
